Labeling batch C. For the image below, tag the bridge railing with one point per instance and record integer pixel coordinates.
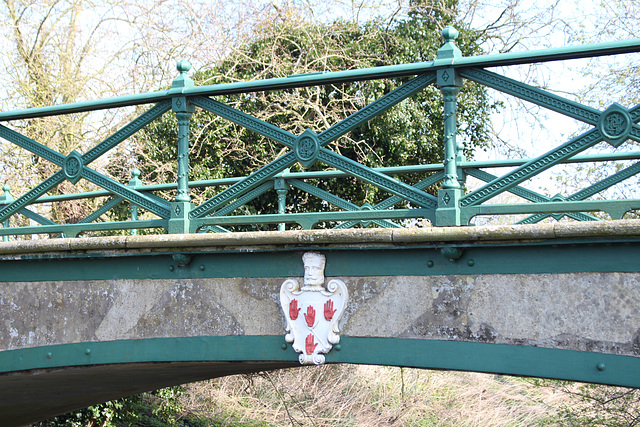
(452, 206)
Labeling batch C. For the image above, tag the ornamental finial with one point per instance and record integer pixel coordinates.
(449, 34)
(135, 178)
(183, 66)
(183, 81)
(449, 50)
(5, 197)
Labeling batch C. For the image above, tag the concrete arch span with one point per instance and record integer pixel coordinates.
(553, 300)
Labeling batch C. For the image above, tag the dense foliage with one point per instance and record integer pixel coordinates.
(410, 133)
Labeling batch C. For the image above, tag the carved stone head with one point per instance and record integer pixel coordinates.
(313, 268)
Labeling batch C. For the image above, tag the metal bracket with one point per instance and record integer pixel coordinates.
(451, 253)
(181, 260)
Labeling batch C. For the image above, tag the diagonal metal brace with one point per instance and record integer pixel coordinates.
(377, 107)
(593, 189)
(417, 197)
(244, 185)
(528, 195)
(129, 194)
(246, 120)
(393, 200)
(336, 201)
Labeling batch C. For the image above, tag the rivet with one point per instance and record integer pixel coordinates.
(601, 366)
(430, 263)
(171, 268)
(87, 351)
(471, 263)
(49, 355)
(202, 268)
(338, 347)
(284, 346)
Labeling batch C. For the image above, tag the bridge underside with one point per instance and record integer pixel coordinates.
(87, 320)
(31, 396)
(120, 368)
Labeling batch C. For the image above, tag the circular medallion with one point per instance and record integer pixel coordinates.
(615, 124)
(306, 148)
(366, 207)
(73, 167)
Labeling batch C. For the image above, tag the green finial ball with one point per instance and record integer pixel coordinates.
(6, 188)
(449, 34)
(135, 173)
(183, 66)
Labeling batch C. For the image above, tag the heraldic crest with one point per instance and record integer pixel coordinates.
(313, 311)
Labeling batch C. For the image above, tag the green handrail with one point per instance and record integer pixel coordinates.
(454, 205)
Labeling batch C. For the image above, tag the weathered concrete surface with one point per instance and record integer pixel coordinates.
(533, 232)
(583, 309)
(577, 311)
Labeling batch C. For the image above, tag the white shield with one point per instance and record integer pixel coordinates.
(313, 311)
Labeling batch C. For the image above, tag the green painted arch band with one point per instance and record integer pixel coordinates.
(419, 353)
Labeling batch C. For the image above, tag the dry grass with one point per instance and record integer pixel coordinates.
(373, 396)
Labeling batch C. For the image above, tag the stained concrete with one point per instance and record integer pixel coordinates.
(574, 311)
(534, 232)
(586, 311)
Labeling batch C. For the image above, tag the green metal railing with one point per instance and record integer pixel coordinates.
(453, 205)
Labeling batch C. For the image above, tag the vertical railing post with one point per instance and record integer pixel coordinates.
(282, 188)
(5, 199)
(134, 183)
(179, 222)
(449, 82)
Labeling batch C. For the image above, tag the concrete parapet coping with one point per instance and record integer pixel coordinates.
(497, 233)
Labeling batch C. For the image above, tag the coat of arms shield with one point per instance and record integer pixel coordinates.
(313, 311)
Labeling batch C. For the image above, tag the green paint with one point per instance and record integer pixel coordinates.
(425, 260)
(615, 208)
(615, 125)
(431, 354)
(311, 218)
(75, 229)
(497, 60)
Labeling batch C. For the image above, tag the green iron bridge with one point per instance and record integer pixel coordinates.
(88, 319)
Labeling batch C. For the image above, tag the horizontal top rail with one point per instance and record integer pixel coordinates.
(336, 77)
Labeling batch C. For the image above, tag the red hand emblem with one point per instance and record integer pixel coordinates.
(294, 309)
(328, 310)
(310, 316)
(310, 344)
